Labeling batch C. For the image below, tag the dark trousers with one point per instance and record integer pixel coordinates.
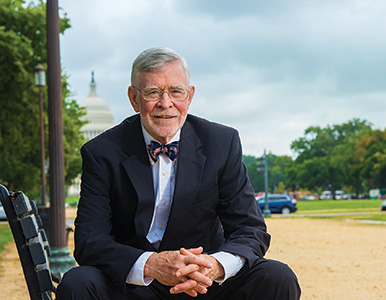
(267, 279)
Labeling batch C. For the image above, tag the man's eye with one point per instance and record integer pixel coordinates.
(153, 92)
(177, 91)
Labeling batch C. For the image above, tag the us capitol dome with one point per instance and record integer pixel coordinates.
(98, 113)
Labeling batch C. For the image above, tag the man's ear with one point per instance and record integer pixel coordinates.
(191, 94)
(132, 93)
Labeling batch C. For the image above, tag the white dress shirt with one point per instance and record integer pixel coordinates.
(164, 174)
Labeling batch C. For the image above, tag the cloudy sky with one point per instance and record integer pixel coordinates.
(267, 68)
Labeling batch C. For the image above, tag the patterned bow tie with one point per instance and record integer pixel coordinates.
(155, 149)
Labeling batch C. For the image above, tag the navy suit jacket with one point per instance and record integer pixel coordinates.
(213, 203)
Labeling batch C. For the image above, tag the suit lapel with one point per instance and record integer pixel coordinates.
(189, 172)
(137, 167)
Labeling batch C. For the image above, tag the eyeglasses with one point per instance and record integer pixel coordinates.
(153, 94)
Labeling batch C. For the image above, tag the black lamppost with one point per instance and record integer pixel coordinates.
(40, 82)
(262, 167)
(60, 260)
(266, 212)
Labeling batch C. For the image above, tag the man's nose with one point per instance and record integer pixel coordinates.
(165, 100)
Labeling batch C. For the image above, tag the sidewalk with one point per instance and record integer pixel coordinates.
(12, 282)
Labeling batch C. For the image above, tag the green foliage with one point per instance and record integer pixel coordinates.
(323, 154)
(349, 156)
(22, 47)
(256, 178)
(18, 114)
(280, 188)
(73, 138)
(371, 153)
(277, 166)
(247, 159)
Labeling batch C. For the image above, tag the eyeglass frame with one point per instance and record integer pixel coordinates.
(162, 91)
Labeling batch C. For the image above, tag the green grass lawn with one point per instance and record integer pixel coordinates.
(72, 200)
(338, 204)
(360, 209)
(5, 237)
(376, 217)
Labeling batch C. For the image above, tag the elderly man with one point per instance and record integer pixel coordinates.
(166, 208)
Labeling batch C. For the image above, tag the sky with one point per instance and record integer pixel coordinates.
(270, 69)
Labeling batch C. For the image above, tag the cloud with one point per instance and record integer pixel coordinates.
(269, 69)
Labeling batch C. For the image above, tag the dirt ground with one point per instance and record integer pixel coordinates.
(333, 259)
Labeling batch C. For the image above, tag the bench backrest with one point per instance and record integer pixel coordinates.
(31, 242)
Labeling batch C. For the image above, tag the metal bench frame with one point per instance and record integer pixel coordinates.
(31, 242)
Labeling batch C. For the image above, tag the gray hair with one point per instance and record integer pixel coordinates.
(155, 59)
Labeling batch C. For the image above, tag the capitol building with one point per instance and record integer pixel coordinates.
(98, 113)
(99, 119)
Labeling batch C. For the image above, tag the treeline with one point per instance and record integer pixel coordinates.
(349, 157)
(22, 47)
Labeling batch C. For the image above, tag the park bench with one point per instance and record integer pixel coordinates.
(31, 242)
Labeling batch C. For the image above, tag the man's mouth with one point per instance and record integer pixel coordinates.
(164, 117)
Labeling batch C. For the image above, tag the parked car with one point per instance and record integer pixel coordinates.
(3, 217)
(326, 195)
(383, 205)
(339, 195)
(278, 203)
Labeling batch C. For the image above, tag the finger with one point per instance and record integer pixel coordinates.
(187, 270)
(201, 279)
(175, 290)
(201, 261)
(191, 293)
(183, 251)
(195, 251)
(184, 287)
(201, 289)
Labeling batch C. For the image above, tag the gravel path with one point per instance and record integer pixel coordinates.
(334, 260)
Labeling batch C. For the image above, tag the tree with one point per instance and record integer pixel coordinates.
(276, 172)
(22, 47)
(321, 153)
(277, 166)
(280, 188)
(256, 178)
(73, 137)
(348, 160)
(371, 152)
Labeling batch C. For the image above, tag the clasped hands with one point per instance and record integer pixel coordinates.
(187, 271)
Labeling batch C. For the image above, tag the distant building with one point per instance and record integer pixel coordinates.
(98, 114)
(99, 119)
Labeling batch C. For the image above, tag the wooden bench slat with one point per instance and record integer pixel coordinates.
(29, 226)
(21, 205)
(31, 242)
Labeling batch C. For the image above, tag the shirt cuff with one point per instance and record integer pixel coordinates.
(231, 264)
(136, 275)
